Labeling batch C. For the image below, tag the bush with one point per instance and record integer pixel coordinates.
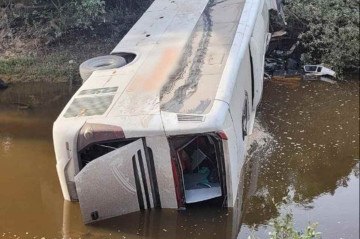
(329, 31)
(80, 14)
(283, 228)
(50, 20)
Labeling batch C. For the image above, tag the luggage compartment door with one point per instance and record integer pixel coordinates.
(114, 184)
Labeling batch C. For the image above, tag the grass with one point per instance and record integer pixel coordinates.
(15, 66)
(56, 64)
(37, 68)
(29, 56)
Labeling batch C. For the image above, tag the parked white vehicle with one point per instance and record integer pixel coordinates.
(169, 128)
(318, 70)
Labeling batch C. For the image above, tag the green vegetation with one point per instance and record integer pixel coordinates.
(51, 68)
(59, 17)
(329, 31)
(283, 228)
(59, 64)
(42, 31)
(44, 40)
(52, 20)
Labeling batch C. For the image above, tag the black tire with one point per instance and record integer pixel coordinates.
(100, 63)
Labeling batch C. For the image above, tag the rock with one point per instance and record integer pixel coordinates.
(3, 85)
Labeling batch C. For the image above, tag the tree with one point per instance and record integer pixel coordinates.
(329, 31)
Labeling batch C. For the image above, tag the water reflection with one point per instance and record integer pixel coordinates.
(316, 127)
(309, 154)
(194, 223)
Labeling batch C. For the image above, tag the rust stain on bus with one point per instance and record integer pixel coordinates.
(154, 79)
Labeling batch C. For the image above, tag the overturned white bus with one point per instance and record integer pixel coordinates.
(168, 128)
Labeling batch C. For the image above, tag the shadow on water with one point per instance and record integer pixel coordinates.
(305, 146)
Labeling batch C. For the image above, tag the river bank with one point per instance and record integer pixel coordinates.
(43, 41)
(56, 63)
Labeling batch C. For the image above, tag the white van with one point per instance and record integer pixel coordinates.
(169, 128)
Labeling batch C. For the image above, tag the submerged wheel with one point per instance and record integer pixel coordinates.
(100, 63)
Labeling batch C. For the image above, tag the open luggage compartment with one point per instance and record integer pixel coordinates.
(200, 169)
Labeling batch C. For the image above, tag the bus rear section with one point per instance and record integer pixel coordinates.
(121, 176)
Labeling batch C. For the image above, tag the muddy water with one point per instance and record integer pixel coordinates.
(315, 160)
(313, 157)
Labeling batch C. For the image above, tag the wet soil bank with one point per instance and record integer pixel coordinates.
(312, 133)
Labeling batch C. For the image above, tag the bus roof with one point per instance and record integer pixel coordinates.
(181, 49)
